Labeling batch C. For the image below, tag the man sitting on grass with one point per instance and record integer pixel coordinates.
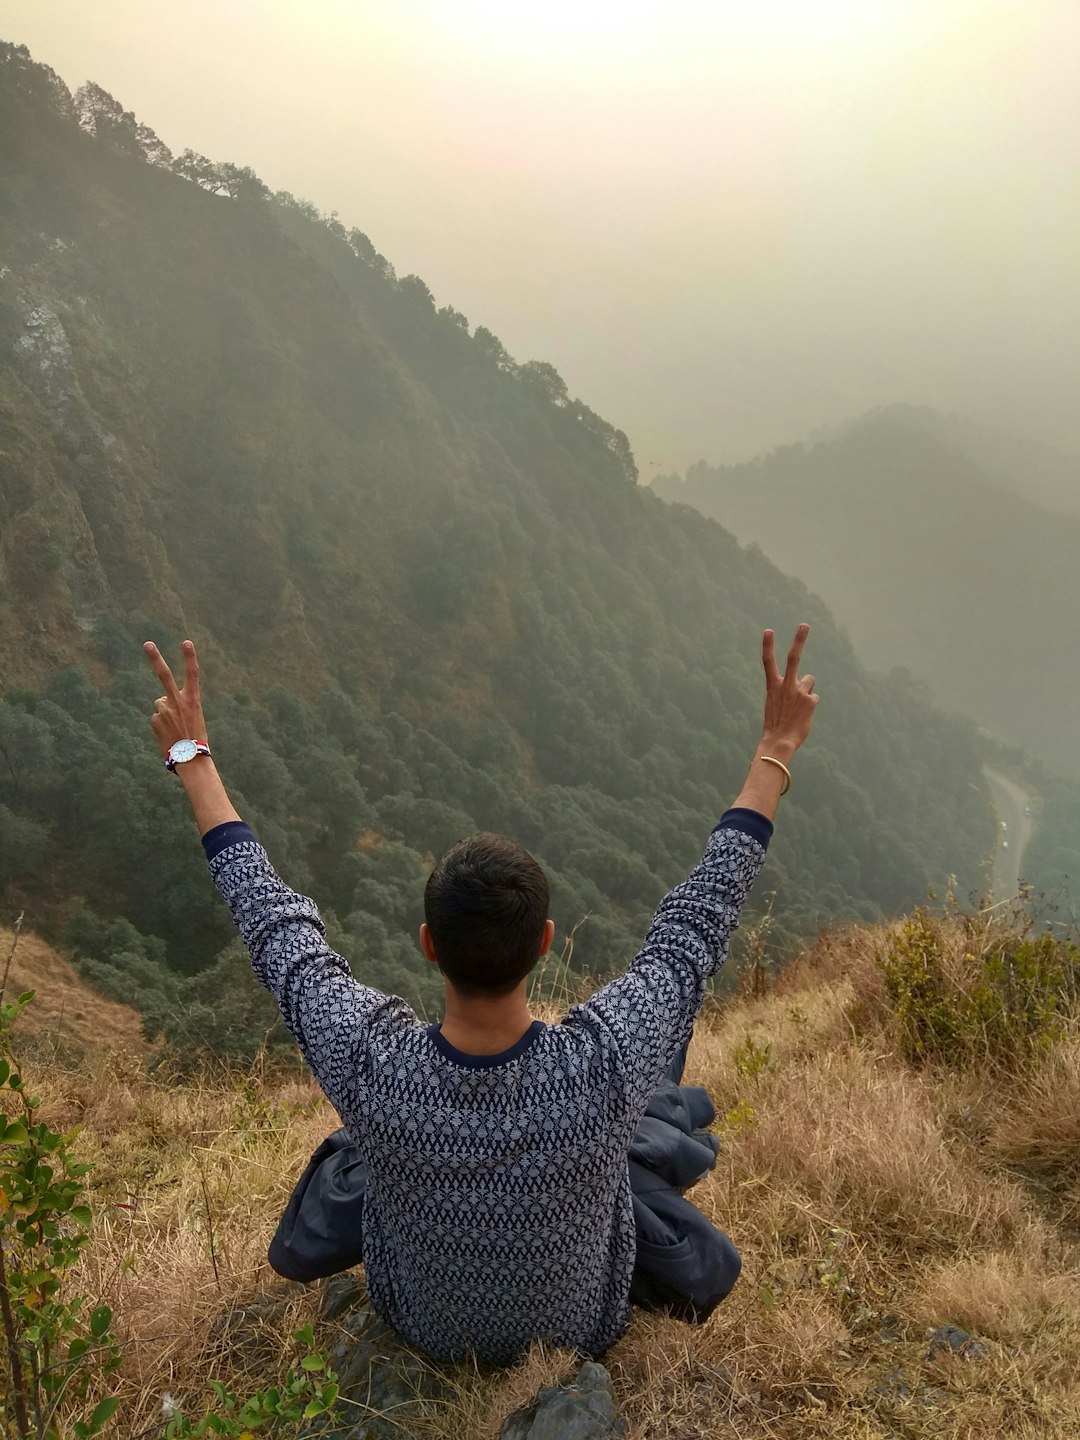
(489, 1194)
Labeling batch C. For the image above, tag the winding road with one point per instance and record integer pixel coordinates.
(1010, 801)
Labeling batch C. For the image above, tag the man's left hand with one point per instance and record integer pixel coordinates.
(178, 714)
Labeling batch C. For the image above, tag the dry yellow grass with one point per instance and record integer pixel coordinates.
(66, 1015)
(871, 1201)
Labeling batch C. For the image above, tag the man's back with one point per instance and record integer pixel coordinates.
(498, 1201)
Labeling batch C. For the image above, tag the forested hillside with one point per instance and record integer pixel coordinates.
(429, 595)
(930, 551)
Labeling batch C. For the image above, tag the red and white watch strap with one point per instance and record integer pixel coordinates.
(201, 748)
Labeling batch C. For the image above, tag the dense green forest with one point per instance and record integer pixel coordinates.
(929, 551)
(429, 595)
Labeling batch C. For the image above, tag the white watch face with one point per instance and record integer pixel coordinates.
(182, 751)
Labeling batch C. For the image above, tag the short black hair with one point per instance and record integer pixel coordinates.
(486, 905)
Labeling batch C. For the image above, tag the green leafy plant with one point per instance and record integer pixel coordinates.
(309, 1390)
(962, 990)
(57, 1348)
(750, 1058)
(739, 1118)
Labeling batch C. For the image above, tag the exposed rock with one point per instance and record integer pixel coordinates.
(382, 1378)
(950, 1339)
(895, 1388)
(341, 1293)
(45, 358)
(584, 1410)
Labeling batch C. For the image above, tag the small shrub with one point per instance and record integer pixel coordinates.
(57, 1347)
(739, 1118)
(308, 1391)
(750, 1058)
(963, 991)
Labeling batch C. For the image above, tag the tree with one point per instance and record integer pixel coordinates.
(239, 182)
(154, 149)
(100, 115)
(199, 169)
(494, 351)
(547, 380)
(23, 845)
(37, 83)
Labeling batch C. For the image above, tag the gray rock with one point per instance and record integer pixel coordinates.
(250, 1330)
(43, 353)
(382, 1378)
(584, 1410)
(341, 1293)
(950, 1339)
(894, 1388)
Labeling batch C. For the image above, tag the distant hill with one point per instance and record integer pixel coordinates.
(932, 557)
(430, 595)
(1028, 466)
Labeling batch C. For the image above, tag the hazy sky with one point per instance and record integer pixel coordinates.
(725, 223)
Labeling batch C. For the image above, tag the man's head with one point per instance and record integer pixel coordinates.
(486, 907)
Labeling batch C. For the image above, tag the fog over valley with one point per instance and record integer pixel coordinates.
(726, 225)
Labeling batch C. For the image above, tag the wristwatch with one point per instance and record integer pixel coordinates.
(184, 750)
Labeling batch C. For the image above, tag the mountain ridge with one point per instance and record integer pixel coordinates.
(924, 556)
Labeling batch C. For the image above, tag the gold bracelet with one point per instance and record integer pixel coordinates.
(771, 760)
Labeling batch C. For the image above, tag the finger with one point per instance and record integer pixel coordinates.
(768, 657)
(160, 704)
(161, 670)
(795, 653)
(807, 683)
(191, 670)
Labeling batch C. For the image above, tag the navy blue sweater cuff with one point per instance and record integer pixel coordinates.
(222, 836)
(749, 822)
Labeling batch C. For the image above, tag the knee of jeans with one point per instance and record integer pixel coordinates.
(728, 1263)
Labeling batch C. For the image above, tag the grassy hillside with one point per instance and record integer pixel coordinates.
(933, 554)
(883, 1172)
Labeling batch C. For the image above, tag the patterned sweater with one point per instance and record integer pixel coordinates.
(498, 1205)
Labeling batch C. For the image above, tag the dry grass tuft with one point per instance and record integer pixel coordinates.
(489, 1400)
(1038, 1130)
(1008, 1295)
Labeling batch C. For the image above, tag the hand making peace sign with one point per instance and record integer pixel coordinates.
(178, 714)
(789, 701)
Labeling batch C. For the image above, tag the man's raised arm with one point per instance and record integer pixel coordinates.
(328, 1012)
(651, 1009)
